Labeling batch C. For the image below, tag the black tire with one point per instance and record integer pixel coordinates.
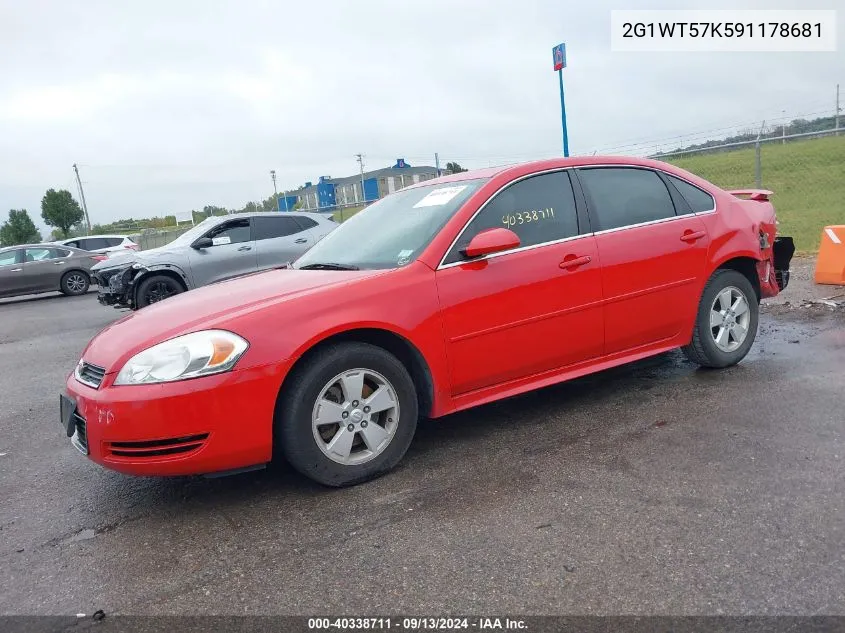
(74, 283)
(702, 349)
(293, 434)
(156, 288)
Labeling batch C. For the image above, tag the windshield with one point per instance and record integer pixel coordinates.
(393, 231)
(194, 232)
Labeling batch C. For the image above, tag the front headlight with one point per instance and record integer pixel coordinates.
(188, 356)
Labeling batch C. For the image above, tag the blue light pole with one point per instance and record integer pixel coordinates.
(559, 56)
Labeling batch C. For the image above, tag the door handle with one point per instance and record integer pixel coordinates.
(57, 263)
(692, 236)
(571, 261)
(245, 248)
(16, 270)
(301, 240)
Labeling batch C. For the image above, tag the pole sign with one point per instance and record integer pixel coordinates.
(559, 56)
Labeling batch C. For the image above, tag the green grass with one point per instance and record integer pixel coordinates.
(346, 213)
(807, 178)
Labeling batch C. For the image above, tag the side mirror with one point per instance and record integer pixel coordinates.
(491, 241)
(202, 242)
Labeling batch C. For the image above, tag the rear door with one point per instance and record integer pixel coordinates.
(231, 254)
(11, 273)
(280, 239)
(652, 255)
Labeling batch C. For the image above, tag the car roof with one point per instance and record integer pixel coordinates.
(540, 165)
(82, 237)
(39, 245)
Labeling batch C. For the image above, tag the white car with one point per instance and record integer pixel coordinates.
(101, 243)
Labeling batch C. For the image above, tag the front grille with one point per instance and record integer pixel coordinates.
(80, 436)
(91, 375)
(158, 448)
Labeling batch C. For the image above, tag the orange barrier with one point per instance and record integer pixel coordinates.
(830, 265)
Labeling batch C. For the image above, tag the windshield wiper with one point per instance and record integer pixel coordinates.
(328, 266)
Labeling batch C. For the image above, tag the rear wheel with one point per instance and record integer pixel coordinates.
(726, 324)
(348, 415)
(157, 288)
(74, 283)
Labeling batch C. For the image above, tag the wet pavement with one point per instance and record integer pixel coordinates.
(655, 488)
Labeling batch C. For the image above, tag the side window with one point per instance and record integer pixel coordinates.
(113, 241)
(97, 242)
(60, 252)
(305, 222)
(698, 199)
(539, 209)
(92, 243)
(622, 196)
(39, 254)
(267, 228)
(233, 232)
(73, 244)
(9, 258)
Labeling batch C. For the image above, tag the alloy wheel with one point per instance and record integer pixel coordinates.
(729, 319)
(75, 283)
(355, 417)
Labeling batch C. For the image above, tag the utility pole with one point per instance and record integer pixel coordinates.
(783, 129)
(758, 161)
(838, 110)
(437, 163)
(360, 158)
(82, 195)
(275, 191)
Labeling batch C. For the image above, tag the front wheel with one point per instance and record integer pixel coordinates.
(157, 288)
(726, 324)
(348, 415)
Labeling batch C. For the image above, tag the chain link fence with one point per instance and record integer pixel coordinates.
(806, 172)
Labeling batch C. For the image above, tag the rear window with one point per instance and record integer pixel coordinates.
(698, 199)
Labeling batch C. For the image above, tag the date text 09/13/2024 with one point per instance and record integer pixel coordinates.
(418, 623)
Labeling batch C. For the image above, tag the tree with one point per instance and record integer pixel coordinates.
(454, 168)
(59, 209)
(19, 229)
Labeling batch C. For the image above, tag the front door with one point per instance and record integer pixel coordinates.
(536, 308)
(653, 255)
(231, 254)
(11, 273)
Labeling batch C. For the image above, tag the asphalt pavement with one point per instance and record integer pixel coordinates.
(655, 488)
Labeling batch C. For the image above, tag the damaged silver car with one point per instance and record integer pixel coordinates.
(219, 248)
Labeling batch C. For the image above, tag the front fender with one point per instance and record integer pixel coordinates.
(286, 331)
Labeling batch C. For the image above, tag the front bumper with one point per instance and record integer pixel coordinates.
(191, 427)
(115, 286)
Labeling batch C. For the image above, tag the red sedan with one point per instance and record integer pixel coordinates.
(443, 296)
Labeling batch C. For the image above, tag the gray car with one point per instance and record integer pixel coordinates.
(33, 268)
(220, 247)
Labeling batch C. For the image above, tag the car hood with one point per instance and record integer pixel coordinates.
(149, 256)
(208, 307)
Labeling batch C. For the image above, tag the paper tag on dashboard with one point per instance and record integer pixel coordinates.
(219, 241)
(439, 196)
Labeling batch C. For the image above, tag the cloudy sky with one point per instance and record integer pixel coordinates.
(170, 105)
